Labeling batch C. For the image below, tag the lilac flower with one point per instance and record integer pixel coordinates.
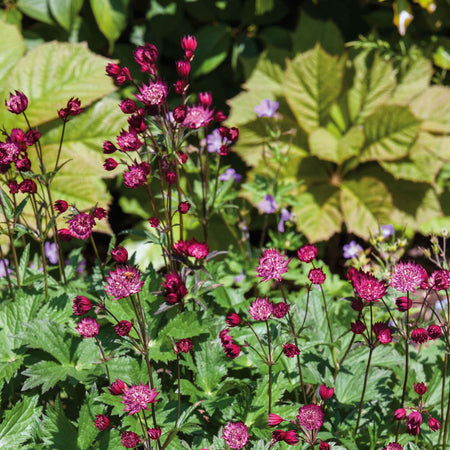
(285, 216)
(4, 264)
(239, 278)
(51, 252)
(351, 249)
(268, 205)
(229, 174)
(266, 108)
(387, 230)
(214, 141)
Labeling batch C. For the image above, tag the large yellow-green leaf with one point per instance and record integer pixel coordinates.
(12, 47)
(329, 147)
(318, 212)
(365, 203)
(433, 107)
(390, 131)
(312, 82)
(50, 75)
(372, 86)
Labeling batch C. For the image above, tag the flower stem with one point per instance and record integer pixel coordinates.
(270, 363)
(366, 375)
(179, 390)
(103, 358)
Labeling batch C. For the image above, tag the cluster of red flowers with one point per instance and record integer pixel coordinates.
(232, 349)
(191, 247)
(174, 288)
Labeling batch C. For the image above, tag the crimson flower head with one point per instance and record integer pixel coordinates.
(307, 253)
(274, 420)
(403, 303)
(128, 106)
(439, 280)
(153, 94)
(235, 435)
(367, 286)
(154, 433)
(310, 417)
(407, 276)
(357, 304)
(136, 175)
(64, 234)
(434, 332)
(17, 102)
(81, 305)
(324, 446)
(179, 114)
(88, 327)
(138, 397)
(198, 116)
(357, 327)
(119, 74)
(183, 68)
(123, 328)
(171, 177)
(174, 288)
(278, 436)
(232, 350)
(272, 265)
(291, 350)
(99, 213)
(233, 319)
(154, 222)
(205, 98)
(146, 56)
(316, 276)
(413, 422)
(382, 332)
(261, 309)
(31, 137)
(198, 250)
(280, 309)
(128, 141)
(28, 186)
(130, 439)
(434, 424)
(419, 336)
(291, 437)
(110, 164)
(123, 282)
(184, 207)
(80, 225)
(119, 254)
(61, 206)
(13, 187)
(325, 392)
(393, 446)
(420, 388)
(118, 387)
(74, 107)
(108, 147)
(189, 44)
(184, 346)
(399, 414)
(102, 422)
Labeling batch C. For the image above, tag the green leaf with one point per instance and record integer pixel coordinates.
(75, 72)
(37, 9)
(365, 203)
(58, 432)
(7, 205)
(213, 45)
(441, 56)
(111, 17)
(45, 373)
(185, 324)
(12, 48)
(390, 131)
(312, 83)
(17, 424)
(311, 31)
(23, 263)
(433, 107)
(87, 431)
(65, 11)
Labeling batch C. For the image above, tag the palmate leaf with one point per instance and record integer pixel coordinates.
(17, 423)
(44, 373)
(87, 431)
(12, 48)
(312, 82)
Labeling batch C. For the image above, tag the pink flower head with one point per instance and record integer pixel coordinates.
(434, 332)
(235, 435)
(102, 422)
(205, 98)
(130, 439)
(272, 265)
(439, 280)
(74, 107)
(261, 309)
(316, 276)
(99, 213)
(80, 225)
(146, 56)
(81, 305)
(118, 74)
(189, 44)
(280, 309)
(17, 102)
(367, 286)
(413, 422)
(128, 106)
(184, 207)
(310, 417)
(325, 392)
(419, 336)
(31, 137)
(324, 446)
(138, 397)
(28, 186)
(420, 388)
(136, 175)
(184, 346)
(233, 319)
(198, 250)
(434, 424)
(119, 254)
(399, 414)
(393, 446)
(9, 152)
(123, 282)
(154, 433)
(307, 253)
(291, 350)
(198, 116)
(232, 350)
(61, 206)
(118, 387)
(403, 303)
(357, 327)
(407, 276)
(291, 437)
(382, 332)
(154, 222)
(128, 141)
(88, 327)
(274, 420)
(123, 328)
(153, 94)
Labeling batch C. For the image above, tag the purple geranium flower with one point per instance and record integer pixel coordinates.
(387, 230)
(3, 264)
(266, 108)
(51, 252)
(285, 216)
(230, 174)
(268, 205)
(351, 249)
(214, 141)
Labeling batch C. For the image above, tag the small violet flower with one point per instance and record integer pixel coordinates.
(51, 252)
(230, 174)
(215, 141)
(351, 249)
(387, 230)
(266, 108)
(285, 216)
(268, 205)
(3, 264)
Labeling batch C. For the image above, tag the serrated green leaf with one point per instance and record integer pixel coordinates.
(312, 83)
(65, 11)
(76, 72)
(44, 373)
(390, 132)
(111, 17)
(87, 431)
(185, 324)
(7, 205)
(213, 45)
(16, 427)
(23, 263)
(37, 9)
(58, 432)
(365, 204)
(12, 48)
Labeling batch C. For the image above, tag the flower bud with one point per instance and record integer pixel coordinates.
(120, 254)
(17, 103)
(325, 392)
(420, 388)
